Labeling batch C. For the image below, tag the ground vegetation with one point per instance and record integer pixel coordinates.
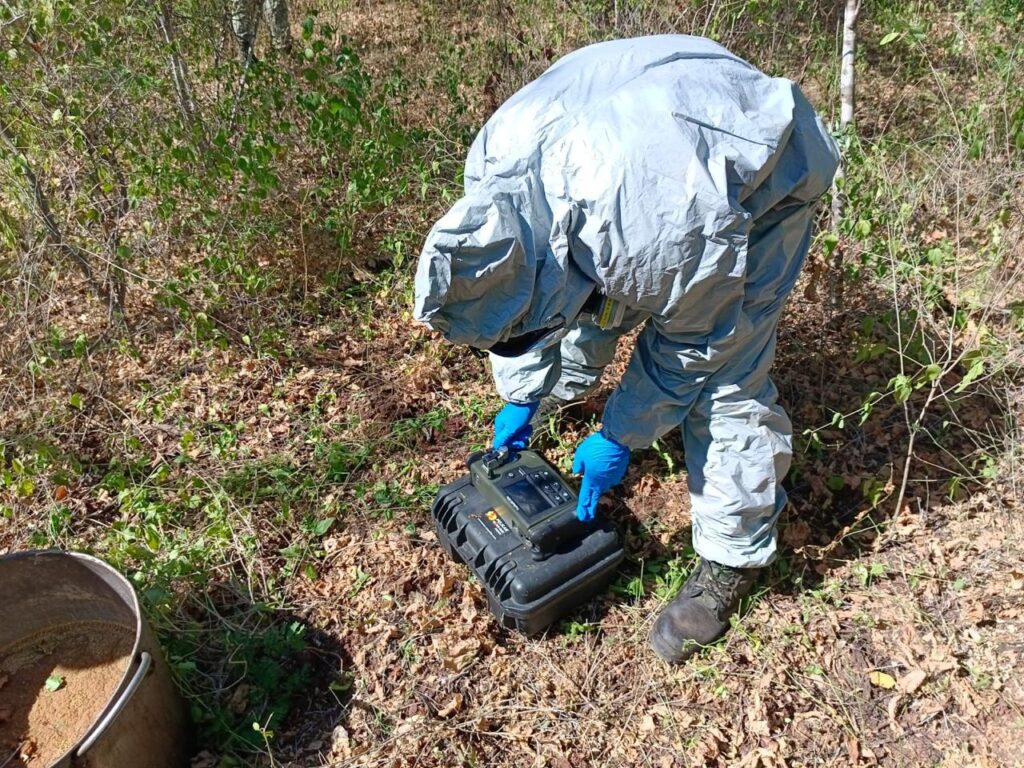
(210, 378)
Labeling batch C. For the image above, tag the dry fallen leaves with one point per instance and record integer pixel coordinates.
(853, 749)
(911, 681)
(341, 743)
(454, 705)
(460, 655)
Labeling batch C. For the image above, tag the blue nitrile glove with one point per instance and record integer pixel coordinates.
(603, 463)
(512, 425)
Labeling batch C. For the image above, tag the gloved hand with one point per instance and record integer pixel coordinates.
(603, 463)
(512, 425)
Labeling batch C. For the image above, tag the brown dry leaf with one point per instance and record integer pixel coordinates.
(341, 743)
(796, 534)
(239, 701)
(61, 492)
(891, 708)
(882, 680)
(974, 612)
(926, 709)
(759, 728)
(911, 681)
(712, 749)
(482, 724)
(853, 749)
(521, 731)
(648, 484)
(937, 664)
(461, 655)
(444, 584)
(647, 724)
(453, 706)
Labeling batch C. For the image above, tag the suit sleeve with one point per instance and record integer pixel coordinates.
(527, 378)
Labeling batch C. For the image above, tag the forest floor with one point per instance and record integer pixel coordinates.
(274, 509)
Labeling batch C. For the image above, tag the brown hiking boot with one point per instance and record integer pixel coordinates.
(700, 613)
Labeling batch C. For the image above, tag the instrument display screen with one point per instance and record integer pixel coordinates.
(527, 498)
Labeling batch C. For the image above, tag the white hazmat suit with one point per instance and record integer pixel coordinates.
(681, 183)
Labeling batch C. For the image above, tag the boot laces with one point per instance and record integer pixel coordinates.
(721, 583)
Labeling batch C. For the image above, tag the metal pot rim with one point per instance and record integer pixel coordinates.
(126, 593)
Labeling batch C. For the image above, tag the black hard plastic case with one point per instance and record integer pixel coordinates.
(529, 585)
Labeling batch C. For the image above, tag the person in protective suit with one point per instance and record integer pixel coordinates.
(660, 181)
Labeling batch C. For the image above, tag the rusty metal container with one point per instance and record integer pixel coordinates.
(143, 724)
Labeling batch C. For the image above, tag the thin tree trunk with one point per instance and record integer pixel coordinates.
(846, 74)
(847, 101)
(243, 24)
(179, 68)
(275, 13)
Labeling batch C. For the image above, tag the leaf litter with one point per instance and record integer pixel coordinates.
(435, 683)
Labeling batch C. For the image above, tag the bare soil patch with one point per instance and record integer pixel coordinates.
(83, 662)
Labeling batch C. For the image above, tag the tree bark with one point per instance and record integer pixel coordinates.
(179, 68)
(275, 13)
(243, 24)
(846, 73)
(847, 101)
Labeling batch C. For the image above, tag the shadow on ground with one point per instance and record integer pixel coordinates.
(251, 673)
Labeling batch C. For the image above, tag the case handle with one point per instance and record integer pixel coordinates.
(561, 528)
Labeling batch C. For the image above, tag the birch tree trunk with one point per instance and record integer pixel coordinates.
(846, 72)
(179, 69)
(242, 14)
(847, 102)
(275, 13)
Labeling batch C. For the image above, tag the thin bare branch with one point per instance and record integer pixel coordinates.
(55, 234)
